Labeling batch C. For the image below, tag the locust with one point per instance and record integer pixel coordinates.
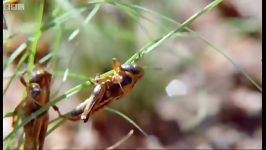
(38, 92)
(107, 90)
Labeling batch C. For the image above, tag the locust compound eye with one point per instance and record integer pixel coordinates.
(132, 68)
(35, 91)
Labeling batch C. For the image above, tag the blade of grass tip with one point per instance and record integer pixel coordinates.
(21, 61)
(92, 13)
(65, 75)
(14, 55)
(73, 34)
(232, 62)
(205, 40)
(37, 34)
(126, 118)
(130, 133)
(86, 21)
(150, 46)
(46, 58)
(9, 114)
(47, 106)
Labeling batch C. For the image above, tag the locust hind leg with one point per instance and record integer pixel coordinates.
(30, 139)
(83, 110)
(37, 127)
(92, 101)
(43, 131)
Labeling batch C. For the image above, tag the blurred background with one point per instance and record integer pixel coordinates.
(191, 96)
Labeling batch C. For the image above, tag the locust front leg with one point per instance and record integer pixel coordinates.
(116, 65)
(19, 106)
(55, 108)
(16, 112)
(117, 68)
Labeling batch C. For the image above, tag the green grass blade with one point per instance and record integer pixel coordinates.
(20, 63)
(150, 46)
(14, 55)
(233, 63)
(92, 13)
(71, 74)
(46, 58)
(55, 126)
(126, 118)
(10, 141)
(9, 114)
(20, 141)
(130, 133)
(63, 18)
(35, 38)
(86, 21)
(134, 15)
(204, 40)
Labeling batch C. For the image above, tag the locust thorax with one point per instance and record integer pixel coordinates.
(42, 77)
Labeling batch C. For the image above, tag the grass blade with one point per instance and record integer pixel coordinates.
(35, 38)
(14, 55)
(20, 63)
(130, 133)
(126, 118)
(150, 46)
(133, 7)
(55, 126)
(63, 18)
